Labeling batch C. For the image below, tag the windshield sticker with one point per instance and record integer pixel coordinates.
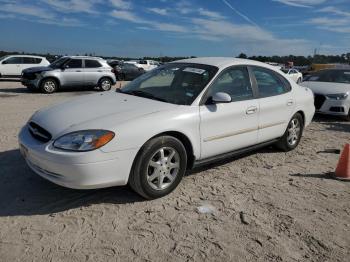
(189, 94)
(194, 70)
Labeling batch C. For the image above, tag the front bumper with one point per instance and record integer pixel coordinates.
(30, 83)
(78, 170)
(328, 106)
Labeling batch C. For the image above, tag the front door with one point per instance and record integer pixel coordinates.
(229, 126)
(72, 74)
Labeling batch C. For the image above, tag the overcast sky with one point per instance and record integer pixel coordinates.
(139, 28)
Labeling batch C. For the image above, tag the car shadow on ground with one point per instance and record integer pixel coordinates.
(329, 175)
(10, 80)
(333, 123)
(23, 193)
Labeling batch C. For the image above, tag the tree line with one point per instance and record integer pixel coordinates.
(297, 60)
(302, 60)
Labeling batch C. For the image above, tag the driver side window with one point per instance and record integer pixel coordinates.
(235, 82)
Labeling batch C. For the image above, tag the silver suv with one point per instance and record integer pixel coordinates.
(70, 71)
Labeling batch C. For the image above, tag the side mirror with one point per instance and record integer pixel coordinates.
(221, 97)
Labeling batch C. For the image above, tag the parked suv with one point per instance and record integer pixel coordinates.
(12, 65)
(70, 71)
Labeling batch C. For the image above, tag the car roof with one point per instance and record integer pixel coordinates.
(223, 62)
(35, 56)
(85, 57)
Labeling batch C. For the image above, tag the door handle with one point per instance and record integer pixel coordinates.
(251, 110)
(78, 71)
(290, 102)
(99, 70)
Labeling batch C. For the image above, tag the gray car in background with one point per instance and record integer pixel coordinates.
(70, 71)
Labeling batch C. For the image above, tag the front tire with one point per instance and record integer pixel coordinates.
(49, 86)
(292, 135)
(158, 167)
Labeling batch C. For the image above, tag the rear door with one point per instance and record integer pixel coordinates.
(72, 74)
(92, 72)
(229, 126)
(276, 103)
(30, 62)
(12, 66)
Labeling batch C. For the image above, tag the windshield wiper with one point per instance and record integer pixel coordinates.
(143, 94)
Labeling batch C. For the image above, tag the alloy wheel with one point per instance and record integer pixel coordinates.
(49, 86)
(106, 85)
(163, 168)
(293, 132)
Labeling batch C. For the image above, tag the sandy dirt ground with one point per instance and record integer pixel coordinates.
(264, 206)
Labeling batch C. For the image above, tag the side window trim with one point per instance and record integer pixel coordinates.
(205, 95)
(285, 82)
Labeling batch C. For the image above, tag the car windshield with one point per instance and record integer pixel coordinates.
(59, 62)
(176, 83)
(332, 76)
(3, 57)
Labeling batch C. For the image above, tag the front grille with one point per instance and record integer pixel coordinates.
(337, 109)
(39, 133)
(319, 100)
(29, 76)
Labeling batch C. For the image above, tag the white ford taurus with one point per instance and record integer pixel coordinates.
(177, 116)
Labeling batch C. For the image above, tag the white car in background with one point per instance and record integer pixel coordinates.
(331, 88)
(180, 115)
(13, 65)
(148, 65)
(294, 74)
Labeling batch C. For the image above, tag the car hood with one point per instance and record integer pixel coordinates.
(37, 69)
(98, 111)
(326, 88)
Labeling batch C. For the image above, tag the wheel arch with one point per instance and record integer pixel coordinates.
(51, 77)
(109, 77)
(184, 140)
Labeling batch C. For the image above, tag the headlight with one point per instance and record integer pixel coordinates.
(85, 140)
(338, 96)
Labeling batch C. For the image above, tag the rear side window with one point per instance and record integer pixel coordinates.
(92, 64)
(269, 83)
(31, 60)
(235, 82)
(74, 63)
(13, 60)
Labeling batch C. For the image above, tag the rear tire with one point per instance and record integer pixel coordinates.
(292, 136)
(159, 167)
(105, 84)
(48, 86)
(299, 81)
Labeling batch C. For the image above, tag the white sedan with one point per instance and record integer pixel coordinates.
(332, 91)
(180, 115)
(294, 74)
